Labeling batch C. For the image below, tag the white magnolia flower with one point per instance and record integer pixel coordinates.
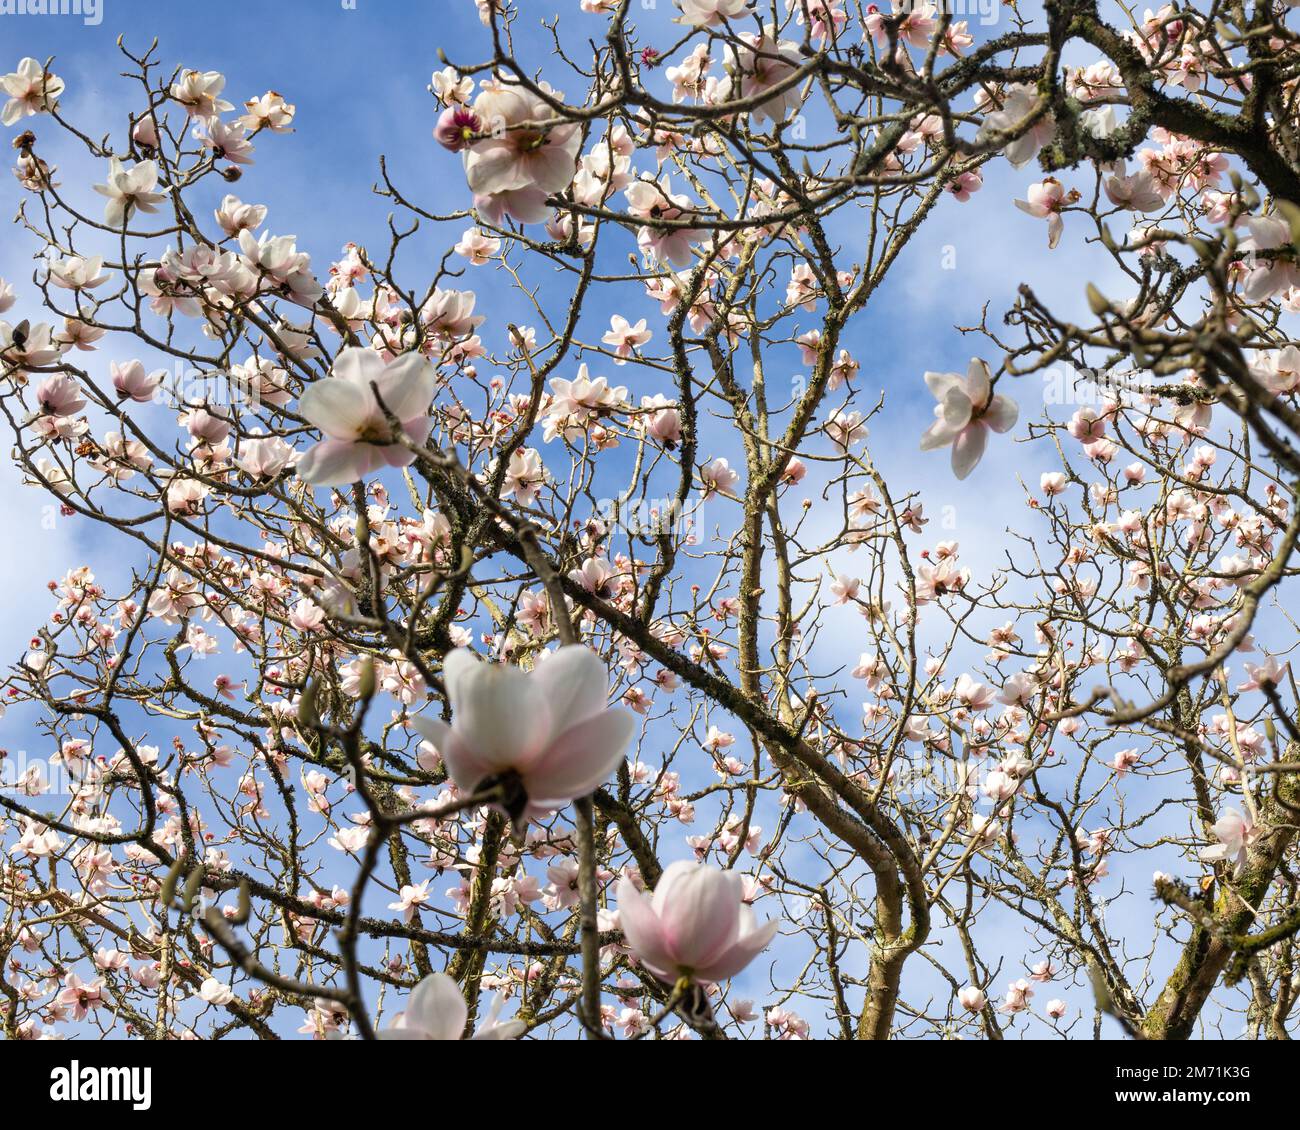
(31, 89)
(967, 409)
(549, 728)
(1236, 833)
(437, 1011)
(129, 191)
(1017, 105)
(358, 437)
(76, 273)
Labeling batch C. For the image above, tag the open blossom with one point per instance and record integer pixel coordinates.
(972, 999)
(1136, 193)
(76, 273)
(60, 395)
(129, 191)
(358, 437)
(270, 111)
(235, 216)
(1046, 199)
(1266, 674)
(264, 457)
(477, 247)
(520, 162)
(456, 127)
(1019, 994)
(546, 734)
(278, 260)
(695, 925)
(767, 65)
(1235, 832)
(200, 93)
(525, 476)
(967, 409)
(1018, 105)
(81, 996)
(31, 90)
(1266, 276)
(710, 13)
(718, 477)
(662, 419)
(436, 1010)
(653, 201)
(624, 337)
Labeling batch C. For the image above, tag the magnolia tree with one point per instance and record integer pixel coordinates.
(461, 656)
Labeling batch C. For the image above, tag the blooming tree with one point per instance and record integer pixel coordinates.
(475, 666)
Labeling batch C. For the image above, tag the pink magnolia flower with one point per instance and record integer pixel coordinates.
(695, 925)
(1018, 996)
(718, 477)
(456, 128)
(519, 156)
(624, 337)
(1136, 192)
(766, 63)
(973, 694)
(1265, 277)
(60, 395)
(358, 438)
(1053, 483)
(549, 730)
(1018, 104)
(31, 90)
(967, 409)
(972, 999)
(1235, 833)
(650, 200)
(131, 382)
(710, 13)
(437, 1011)
(1124, 760)
(129, 191)
(1046, 199)
(1268, 673)
(964, 185)
(81, 996)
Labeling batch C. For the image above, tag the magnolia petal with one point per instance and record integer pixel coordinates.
(957, 409)
(335, 462)
(496, 711)
(699, 914)
(406, 386)
(337, 408)
(938, 434)
(581, 758)
(1002, 413)
(753, 940)
(940, 383)
(979, 382)
(496, 165)
(574, 682)
(437, 1008)
(356, 365)
(968, 449)
(641, 928)
(506, 1030)
(464, 766)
